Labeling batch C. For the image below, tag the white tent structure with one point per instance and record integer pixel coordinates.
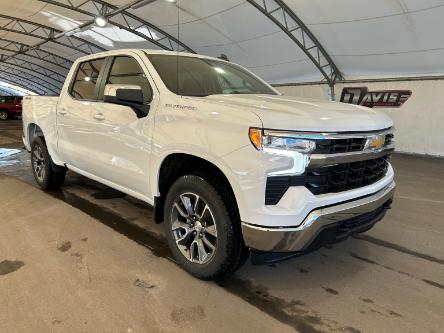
(283, 41)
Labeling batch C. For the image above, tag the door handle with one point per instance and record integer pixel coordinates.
(62, 111)
(99, 116)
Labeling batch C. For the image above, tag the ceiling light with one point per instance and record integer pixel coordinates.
(101, 21)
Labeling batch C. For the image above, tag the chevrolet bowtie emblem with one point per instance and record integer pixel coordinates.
(375, 142)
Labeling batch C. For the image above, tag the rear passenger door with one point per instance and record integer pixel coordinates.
(122, 141)
(74, 121)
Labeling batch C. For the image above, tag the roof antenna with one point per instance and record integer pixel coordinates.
(223, 57)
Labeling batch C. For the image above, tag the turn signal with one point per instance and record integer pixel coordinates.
(256, 137)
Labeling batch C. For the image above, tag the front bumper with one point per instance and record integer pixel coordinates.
(321, 226)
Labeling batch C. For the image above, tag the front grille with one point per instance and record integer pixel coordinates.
(336, 146)
(345, 145)
(329, 179)
(343, 177)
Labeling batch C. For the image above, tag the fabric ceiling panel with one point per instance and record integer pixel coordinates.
(62, 51)
(227, 27)
(396, 65)
(48, 81)
(299, 71)
(271, 63)
(217, 27)
(378, 38)
(43, 63)
(21, 8)
(59, 18)
(13, 36)
(164, 14)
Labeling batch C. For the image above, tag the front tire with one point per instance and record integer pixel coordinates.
(203, 233)
(48, 175)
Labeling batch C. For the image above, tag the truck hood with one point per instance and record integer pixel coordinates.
(302, 114)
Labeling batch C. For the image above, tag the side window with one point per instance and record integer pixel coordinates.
(2, 99)
(85, 81)
(126, 70)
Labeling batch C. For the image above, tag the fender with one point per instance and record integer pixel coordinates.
(218, 161)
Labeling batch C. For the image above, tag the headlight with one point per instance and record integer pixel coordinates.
(280, 141)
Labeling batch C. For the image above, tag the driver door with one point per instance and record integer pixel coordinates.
(122, 141)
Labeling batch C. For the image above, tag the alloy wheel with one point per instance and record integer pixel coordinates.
(39, 163)
(194, 228)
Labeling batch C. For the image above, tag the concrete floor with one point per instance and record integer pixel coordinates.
(86, 259)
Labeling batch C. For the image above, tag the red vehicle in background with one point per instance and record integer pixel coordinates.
(10, 106)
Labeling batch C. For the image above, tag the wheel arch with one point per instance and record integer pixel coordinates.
(33, 131)
(177, 164)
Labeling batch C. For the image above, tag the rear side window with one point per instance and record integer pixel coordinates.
(10, 99)
(85, 81)
(7, 99)
(126, 70)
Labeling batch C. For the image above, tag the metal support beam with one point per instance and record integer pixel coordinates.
(37, 68)
(48, 57)
(45, 72)
(55, 85)
(122, 18)
(281, 15)
(26, 76)
(63, 63)
(5, 77)
(47, 34)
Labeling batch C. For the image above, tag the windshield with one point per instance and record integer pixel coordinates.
(189, 76)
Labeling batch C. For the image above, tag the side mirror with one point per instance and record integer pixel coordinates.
(128, 95)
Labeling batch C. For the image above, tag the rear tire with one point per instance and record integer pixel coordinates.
(48, 175)
(4, 115)
(202, 232)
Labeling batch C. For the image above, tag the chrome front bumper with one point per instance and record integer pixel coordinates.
(299, 239)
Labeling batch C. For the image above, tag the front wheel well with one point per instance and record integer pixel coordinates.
(178, 165)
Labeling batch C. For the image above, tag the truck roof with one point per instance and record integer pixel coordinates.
(147, 51)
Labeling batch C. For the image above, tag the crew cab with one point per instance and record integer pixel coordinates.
(10, 107)
(230, 165)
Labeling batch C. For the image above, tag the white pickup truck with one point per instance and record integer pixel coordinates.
(230, 165)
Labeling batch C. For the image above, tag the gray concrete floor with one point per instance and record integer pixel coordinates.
(86, 259)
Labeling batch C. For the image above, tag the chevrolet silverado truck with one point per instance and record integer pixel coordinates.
(231, 166)
(10, 106)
